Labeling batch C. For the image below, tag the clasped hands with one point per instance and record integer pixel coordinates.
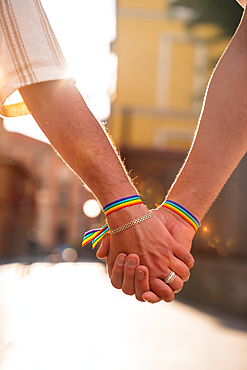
(140, 258)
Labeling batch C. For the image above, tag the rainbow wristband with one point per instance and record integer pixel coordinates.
(121, 203)
(183, 212)
(96, 235)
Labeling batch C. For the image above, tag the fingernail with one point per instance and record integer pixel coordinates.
(121, 261)
(140, 274)
(132, 262)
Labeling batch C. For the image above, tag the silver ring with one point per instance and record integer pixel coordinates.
(170, 278)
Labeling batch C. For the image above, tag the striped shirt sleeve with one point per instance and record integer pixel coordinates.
(29, 52)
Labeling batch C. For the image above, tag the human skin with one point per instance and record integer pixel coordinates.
(220, 141)
(80, 139)
(154, 236)
(242, 3)
(133, 278)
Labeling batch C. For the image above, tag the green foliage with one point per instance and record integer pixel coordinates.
(224, 13)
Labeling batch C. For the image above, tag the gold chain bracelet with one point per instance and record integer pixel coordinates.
(131, 223)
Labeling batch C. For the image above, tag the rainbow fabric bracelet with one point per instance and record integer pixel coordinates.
(121, 203)
(183, 212)
(96, 235)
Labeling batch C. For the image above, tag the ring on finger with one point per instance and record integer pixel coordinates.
(170, 278)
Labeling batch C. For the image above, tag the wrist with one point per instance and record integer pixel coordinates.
(182, 212)
(174, 219)
(124, 215)
(122, 208)
(189, 199)
(111, 192)
(179, 229)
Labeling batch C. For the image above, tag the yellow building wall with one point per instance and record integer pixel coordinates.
(158, 101)
(143, 4)
(137, 63)
(181, 92)
(137, 49)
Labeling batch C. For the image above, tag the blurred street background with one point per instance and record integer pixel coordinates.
(68, 316)
(142, 66)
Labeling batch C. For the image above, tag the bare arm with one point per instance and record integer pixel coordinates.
(221, 138)
(78, 137)
(81, 141)
(219, 144)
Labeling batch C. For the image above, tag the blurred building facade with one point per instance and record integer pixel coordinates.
(163, 70)
(17, 210)
(41, 198)
(162, 73)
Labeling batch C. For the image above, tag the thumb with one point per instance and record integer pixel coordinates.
(104, 247)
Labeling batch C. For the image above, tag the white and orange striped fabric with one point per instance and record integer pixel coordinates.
(29, 52)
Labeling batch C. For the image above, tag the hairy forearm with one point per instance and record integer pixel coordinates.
(221, 138)
(78, 137)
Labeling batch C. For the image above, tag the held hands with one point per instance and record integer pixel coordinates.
(160, 244)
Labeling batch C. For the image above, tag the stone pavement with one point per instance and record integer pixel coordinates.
(68, 316)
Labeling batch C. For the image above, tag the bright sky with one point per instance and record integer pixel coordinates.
(84, 30)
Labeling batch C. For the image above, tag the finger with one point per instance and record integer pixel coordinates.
(162, 290)
(104, 247)
(180, 268)
(118, 271)
(142, 289)
(141, 282)
(184, 255)
(109, 266)
(131, 263)
(177, 284)
(150, 297)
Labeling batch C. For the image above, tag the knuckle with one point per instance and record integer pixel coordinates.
(129, 274)
(168, 297)
(184, 273)
(179, 286)
(163, 291)
(187, 277)
(190, 260)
